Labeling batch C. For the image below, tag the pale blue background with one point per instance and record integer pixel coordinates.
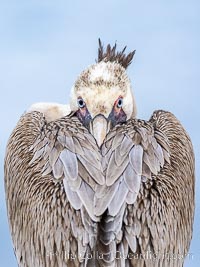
(44, 45)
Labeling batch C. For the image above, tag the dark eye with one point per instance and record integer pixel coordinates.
(120, 102)
(81, 103)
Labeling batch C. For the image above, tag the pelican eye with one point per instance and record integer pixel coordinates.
(120, 102)
(81, 103)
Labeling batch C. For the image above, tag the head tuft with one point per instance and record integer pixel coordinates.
(110, 54)
(101, 84)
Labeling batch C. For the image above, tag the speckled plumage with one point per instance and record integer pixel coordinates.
(70, 201)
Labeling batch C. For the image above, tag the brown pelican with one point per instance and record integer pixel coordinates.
(89, 184)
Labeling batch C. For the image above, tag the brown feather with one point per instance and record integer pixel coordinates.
(113, 56)
(94, 206)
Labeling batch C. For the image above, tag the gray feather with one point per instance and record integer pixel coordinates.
(75, 184)
(159, 154)
(72, 196)
(37, 155)
(93, 157)
(53, 156)
(118, 157)
(131, 197)
(135, 157)
(57, 169)
(69, 144)
(95, 173)
(46, 169)
(146, 172)
(126, 145)
(150, 163)
(118, 199)
(86, 194)
(69, 161)
(113, 171)
(131, 241)
(78, 148)
(117, 141)
(103, 197)
(132, 179)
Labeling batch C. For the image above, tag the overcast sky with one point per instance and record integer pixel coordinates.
(45, 44)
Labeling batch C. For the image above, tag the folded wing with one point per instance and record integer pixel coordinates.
(65, 150)
(131, 154)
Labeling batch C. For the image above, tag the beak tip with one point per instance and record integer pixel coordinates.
(99, 127)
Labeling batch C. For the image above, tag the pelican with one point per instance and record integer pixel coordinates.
(90, 184)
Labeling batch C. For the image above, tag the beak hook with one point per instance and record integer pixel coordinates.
(99, 127)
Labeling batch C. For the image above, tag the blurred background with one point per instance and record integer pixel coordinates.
(45, 44)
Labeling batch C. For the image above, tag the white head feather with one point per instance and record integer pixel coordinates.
(100, 85)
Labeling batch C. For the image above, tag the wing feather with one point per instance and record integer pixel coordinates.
(132, 179)
(118, 199)
(135, 158)
(113, 171)
(125, 146)
(78, 148)
(70, 163)
(103, 197)
(63, 154)
(132, 155)
(95, 173)
(117, 140)
(86, 195)
(72, 196)
(58, 169)
(74, 184)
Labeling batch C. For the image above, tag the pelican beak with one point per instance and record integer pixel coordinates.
(99, 127)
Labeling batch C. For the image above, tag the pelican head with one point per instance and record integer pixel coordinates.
(102, 95)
